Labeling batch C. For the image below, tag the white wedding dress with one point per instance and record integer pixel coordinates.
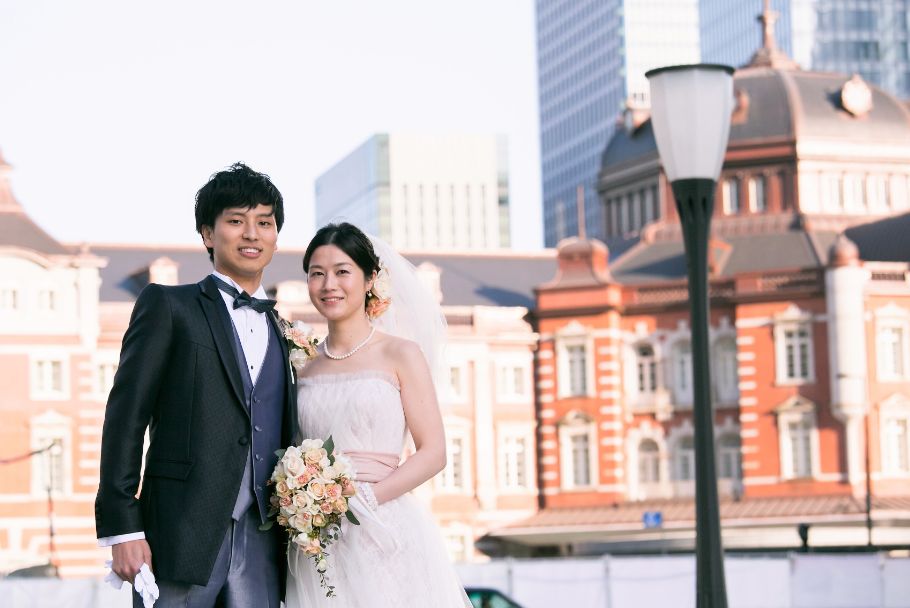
(396, 560)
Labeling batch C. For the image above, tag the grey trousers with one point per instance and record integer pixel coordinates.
(245, 573)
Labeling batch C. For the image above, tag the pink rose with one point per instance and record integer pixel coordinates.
(332, 491)
(285, 501)
(313, 547)
(347, 488)
(325, 507)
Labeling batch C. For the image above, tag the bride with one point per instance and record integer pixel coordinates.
(369, 386)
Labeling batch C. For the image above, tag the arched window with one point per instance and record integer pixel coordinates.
(726, 373)
(648, 462)
(578, 451)
(682, 371)
(685, 459)
(729, 457)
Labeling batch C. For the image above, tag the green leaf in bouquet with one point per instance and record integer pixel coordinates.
(280, 453)
(351, 517)
(329, 446)
(267, 525)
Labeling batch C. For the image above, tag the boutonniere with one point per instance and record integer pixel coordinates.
(302, 342)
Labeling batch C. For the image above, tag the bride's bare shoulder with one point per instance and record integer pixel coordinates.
(397, 349)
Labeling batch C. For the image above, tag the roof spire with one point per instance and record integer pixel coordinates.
(8, 202)
(580, 209)
(769, 55)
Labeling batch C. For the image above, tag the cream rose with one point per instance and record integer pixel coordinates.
(316, 489)
(309, 444)
(313, 457)
(321, 565)
(319, 520)
(294, 465)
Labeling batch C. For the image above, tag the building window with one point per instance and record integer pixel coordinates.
(730, 192)
(877, 193)
(758, 202)
(896, 444)
(685, 459)
(854, 193)
(793, 342)
(831, 193)
(798, 440)
(106, 372)
(729, 457)
(48, 378)
(50, 437)
(514, 456)
(47, 300)
(648, 462)
(577, 359)
(891, 352)
(647, 369)
(9, 298)
(456, 383)
(682, 371)
(511, 381)
(453, 476)
(726, 373)
(578, 454)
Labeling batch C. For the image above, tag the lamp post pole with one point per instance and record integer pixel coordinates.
(690, 114)
(695, 203)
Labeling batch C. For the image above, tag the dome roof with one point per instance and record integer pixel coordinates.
(788, 105)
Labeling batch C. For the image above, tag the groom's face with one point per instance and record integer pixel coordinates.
(243, 241)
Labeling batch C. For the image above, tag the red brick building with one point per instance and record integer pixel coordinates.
(810, 330)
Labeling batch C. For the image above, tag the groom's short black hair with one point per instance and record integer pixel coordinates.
(236, 186)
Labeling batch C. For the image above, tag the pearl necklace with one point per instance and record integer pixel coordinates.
(325, 347)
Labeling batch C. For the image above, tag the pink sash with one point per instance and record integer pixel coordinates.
(372, 466)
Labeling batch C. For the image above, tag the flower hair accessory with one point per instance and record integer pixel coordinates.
(302, 342)
(380, 295)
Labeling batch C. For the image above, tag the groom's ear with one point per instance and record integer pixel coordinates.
(206, 232)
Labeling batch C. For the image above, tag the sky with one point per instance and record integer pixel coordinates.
(114, 113)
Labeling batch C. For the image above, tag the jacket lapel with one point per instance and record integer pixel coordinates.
(222, 333)
(290, 374)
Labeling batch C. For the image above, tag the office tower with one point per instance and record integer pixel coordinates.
(591, 60)
(865, 37)
(422, 191)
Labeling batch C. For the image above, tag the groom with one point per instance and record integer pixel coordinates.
(205, 369)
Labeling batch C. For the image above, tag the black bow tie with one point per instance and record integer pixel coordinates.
(242, 298)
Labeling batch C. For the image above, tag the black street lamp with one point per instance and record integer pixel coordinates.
(690, 114)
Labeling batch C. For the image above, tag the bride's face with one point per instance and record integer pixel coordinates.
(337, 285)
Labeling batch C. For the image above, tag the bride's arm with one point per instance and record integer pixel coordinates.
(421, 411)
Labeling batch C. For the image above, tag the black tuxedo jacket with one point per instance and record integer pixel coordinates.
(178, 377)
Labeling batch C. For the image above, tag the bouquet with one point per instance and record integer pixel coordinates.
(312, 489)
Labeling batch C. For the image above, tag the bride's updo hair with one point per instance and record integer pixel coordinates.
(351, 240)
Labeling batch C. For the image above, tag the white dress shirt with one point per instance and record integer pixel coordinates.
(253, 330)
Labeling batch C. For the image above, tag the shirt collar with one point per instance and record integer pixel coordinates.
(259, 293)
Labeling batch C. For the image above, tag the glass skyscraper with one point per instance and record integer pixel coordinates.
(865, 37)
(591, 58)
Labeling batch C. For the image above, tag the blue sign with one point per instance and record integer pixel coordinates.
(652, 519)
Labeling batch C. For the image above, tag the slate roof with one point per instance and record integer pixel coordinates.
(887, 240)
(785, 104)
(478, 279)
(18, 230)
